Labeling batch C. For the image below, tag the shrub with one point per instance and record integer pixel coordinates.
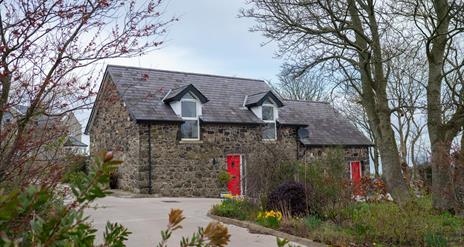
(223, 178)
(268, 166)
(327, 185)
(414, 224)
(38, 215)
(290, 198)
(236, 208)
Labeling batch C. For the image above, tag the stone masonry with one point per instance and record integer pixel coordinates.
(184, 168)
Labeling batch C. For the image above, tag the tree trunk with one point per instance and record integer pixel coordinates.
(442, 193)
(375, 100)
(440, 139)
(391, 162)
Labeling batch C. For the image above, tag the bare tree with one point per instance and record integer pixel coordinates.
(349, 37)
(47, 47)
(406, 89)
(305, 87)
(440, 24)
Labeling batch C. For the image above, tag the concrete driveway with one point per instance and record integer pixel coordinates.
(146, 217)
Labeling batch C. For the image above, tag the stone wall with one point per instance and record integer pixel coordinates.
(113, 130)
(351, 153)
(191, 168)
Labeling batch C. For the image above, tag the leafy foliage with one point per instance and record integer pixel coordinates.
(39, 216)
(224, 178)
(327, 184)
(416, 223)
(236, 209)
(215, 234)
(289, 197)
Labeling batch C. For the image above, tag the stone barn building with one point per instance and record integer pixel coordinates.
(176, 131)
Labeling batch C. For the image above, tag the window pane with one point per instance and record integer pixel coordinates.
(268, 113)
(189, 109)
(189, 129)
(269, 131)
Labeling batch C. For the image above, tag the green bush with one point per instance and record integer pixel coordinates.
(327, 185)
(413, 224)
(236, 209)
(224, 178)
(38, 216)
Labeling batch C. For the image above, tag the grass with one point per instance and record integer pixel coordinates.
(367, 224)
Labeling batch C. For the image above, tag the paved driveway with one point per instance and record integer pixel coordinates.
(146, 217)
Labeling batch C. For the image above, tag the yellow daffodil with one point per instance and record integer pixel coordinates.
(270, 214)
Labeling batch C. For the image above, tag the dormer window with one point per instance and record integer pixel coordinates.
(190, 128)
(186, 102)
(265, 106)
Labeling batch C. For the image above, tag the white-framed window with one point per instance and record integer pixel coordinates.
(270, 127)
(190, 128)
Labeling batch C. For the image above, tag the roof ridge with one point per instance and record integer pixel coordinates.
(183, 72)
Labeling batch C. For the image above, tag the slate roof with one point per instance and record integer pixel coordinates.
(259, 98)
(325, 126)
(178, 93)
(143, 91)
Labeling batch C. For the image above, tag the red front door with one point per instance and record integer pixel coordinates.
(356, 176)
(233, 168)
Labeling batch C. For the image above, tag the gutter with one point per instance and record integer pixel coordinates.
(150, 167)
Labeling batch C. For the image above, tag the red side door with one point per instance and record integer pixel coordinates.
(356, 176)
(233, 168)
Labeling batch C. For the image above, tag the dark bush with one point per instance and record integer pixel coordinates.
(289, 197)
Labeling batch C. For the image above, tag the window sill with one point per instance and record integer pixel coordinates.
(270, 141)
(190, 141)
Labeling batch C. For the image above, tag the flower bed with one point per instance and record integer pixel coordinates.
(359, 224)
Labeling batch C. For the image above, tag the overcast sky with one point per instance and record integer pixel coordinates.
(209, 38)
